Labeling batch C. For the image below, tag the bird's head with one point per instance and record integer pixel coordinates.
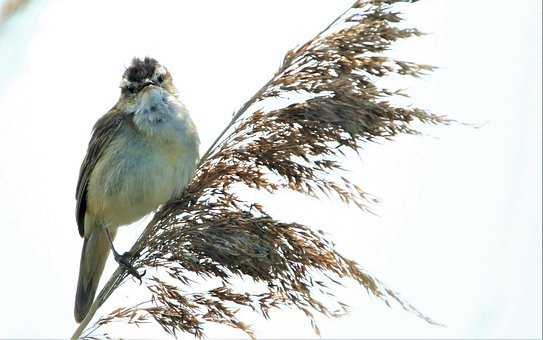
(150, 98)
(145, 77)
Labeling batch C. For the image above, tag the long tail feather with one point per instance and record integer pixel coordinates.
(93, 259)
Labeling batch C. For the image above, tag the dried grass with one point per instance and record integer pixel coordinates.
(210, 232)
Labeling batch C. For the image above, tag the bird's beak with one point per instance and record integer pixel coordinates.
(148, 83)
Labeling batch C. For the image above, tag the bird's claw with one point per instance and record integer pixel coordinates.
(123, 260)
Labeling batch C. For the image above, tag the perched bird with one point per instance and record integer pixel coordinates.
(141, 154)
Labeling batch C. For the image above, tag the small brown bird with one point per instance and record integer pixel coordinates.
(141, 154)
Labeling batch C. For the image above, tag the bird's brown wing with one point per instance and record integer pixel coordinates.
(103, 132)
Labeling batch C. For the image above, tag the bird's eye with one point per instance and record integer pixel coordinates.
(160, 78)
(131, 89)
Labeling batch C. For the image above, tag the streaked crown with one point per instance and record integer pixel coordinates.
(142, 73)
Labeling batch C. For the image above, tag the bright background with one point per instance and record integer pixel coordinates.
(459, 226)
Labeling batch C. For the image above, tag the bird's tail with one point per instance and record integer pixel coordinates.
(93, 259)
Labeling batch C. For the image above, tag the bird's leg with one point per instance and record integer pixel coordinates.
(123, 259)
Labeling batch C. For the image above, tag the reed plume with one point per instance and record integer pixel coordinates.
(333, 104)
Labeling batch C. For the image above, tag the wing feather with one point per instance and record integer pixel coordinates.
(103, 132)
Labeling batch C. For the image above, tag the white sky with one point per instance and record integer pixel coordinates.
(459, 226)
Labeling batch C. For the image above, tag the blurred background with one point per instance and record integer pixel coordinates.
(458, 229)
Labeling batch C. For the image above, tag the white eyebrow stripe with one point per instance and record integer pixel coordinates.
(161, 70)
(125, 82)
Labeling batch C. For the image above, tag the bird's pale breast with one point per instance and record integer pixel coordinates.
(138, 173)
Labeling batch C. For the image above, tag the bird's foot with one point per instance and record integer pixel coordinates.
(124, 260)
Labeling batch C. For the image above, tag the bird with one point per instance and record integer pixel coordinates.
(142, 153)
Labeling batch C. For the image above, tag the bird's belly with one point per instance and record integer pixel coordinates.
(131, 184)
(142, 189)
